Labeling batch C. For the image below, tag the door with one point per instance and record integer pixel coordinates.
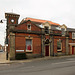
(46, 50)
(72, 49)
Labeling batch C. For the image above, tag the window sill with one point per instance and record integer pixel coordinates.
(28, 29)
(59, 50)
(73, 38)
(63, 35)
(29, 51)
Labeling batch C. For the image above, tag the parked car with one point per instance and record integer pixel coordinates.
(1, 51)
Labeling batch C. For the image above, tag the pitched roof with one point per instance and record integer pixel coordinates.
(70, 29)
(38, 21)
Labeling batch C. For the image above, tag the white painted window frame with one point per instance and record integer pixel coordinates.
(73, 35)
(31, 47)
(61, 47)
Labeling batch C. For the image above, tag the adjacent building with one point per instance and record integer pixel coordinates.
(1, 47)
(37, 38)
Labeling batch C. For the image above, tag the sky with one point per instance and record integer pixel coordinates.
(59, 11)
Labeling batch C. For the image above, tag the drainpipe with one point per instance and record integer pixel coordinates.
(41, 46)
(53, 46)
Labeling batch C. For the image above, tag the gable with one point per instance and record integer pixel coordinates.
(39, 21)
(24, 26)
(47, 24)
(63, 26)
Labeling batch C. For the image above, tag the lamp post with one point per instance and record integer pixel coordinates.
(1, 21)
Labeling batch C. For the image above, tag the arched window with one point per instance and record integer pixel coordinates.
(47, 41)
(29, 26)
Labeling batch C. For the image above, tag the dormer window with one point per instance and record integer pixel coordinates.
(46, 30)
(63, 31)
(29, 26)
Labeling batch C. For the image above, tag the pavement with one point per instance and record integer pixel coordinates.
(4, 61)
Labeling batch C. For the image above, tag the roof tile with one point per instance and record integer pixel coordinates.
(40, 21)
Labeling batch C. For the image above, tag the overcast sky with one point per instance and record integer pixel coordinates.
(59, 11)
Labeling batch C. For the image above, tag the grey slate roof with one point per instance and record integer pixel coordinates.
(54, 27)
(70, 29)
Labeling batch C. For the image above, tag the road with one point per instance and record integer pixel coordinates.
(58, 66)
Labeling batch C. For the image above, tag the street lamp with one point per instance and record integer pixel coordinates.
(1, 21)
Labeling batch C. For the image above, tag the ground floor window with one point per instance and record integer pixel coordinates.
(28, 44)
(59, 45)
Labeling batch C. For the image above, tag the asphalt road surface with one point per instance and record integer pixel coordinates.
(59, 66)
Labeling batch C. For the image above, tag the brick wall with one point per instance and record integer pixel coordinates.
(20, 42)
(15, 20)
(70, 38)
(24, 26)
(56, 38)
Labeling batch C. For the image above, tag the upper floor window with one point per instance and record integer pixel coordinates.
(29, 26)
(59, 45)
(63, 31)
(46, 29)
(73, 35)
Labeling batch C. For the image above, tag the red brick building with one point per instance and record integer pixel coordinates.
(37, 38)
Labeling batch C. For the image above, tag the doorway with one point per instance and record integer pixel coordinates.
(47, 50)
(72, 49)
